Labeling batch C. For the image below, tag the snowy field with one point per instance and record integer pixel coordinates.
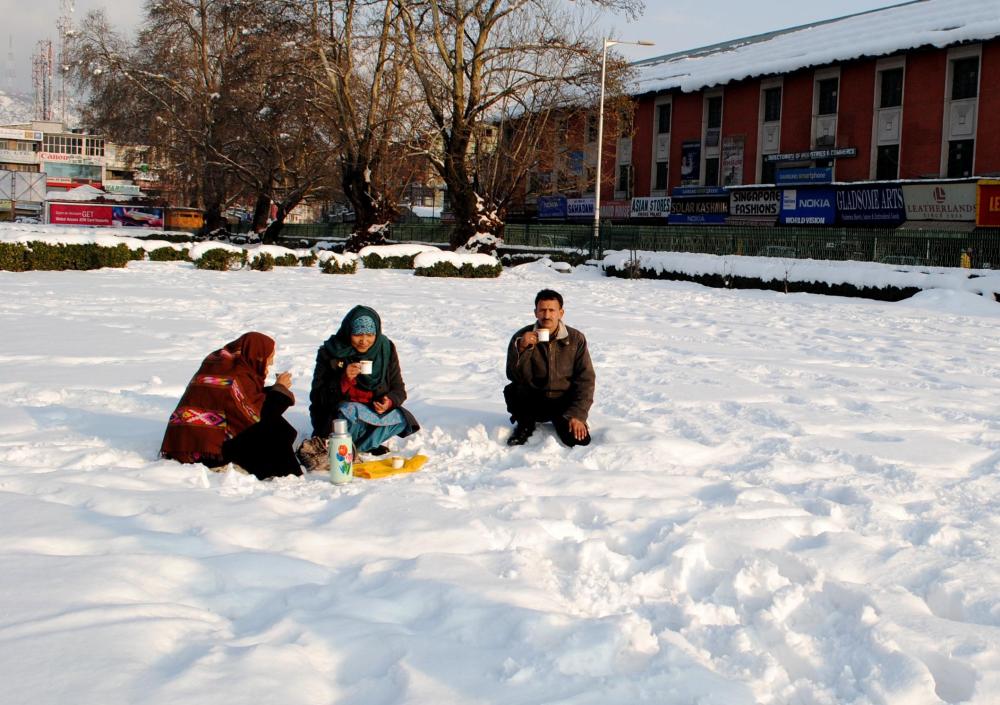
(790, 499)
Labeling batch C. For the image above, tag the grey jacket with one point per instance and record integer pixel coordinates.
(558, 368)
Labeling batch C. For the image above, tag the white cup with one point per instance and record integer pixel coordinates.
(543, 335)
(366, 367)
(397, 462)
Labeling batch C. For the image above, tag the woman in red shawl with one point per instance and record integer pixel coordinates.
(227, 415)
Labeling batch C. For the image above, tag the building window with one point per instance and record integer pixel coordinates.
(960, 158)
(714, 112)
(591, 128)
(965, 78)
(768, 172)
(660, 182)
(887, 162)
(712, 171)
(663, 119)
(623, 178)
(891, 88)
(828, 96)
(772, 104)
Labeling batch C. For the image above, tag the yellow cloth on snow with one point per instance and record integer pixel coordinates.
(376, 469)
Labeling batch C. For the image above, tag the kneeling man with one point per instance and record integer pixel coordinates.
(551, 375)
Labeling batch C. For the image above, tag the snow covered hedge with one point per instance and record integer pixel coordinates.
(451, 264)
(222, 259)
(25, 257)
(398, 256)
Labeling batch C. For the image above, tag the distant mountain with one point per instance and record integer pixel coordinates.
(15, 108)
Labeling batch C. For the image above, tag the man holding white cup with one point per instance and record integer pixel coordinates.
(551, 375)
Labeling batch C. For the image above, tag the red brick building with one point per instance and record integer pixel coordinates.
(907, 92)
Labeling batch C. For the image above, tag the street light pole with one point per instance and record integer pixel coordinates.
(600, 135)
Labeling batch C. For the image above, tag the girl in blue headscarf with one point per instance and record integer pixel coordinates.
(372, 403)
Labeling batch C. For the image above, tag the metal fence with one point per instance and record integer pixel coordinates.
(915, 247)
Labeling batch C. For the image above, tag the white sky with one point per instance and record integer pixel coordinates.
(673, 24)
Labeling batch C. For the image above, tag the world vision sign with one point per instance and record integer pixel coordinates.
(988, 204)
(949, 201)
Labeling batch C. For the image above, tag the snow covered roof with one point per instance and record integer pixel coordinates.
(880, 32)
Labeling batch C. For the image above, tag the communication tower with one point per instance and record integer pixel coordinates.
(9, 77)
(65, 27)
(41, 78)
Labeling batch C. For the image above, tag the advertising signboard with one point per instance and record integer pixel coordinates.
(805, 175)
(580, 208)
(834, 153)
(79, 214)
(764, 202)
(658, 207)
(947, 201)
(690, 162)
(121, 187)
(808, 207)
(60, 158)
(872, 203)
(988, 204)
(17, 156)
(615, 210)
(551, 206)
(703, 210)
(732, 160)
(9, 133)
(101, 215)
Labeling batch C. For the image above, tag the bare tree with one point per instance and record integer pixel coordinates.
(361, 88)
(218, 88)
(282, 152)
(484, 63)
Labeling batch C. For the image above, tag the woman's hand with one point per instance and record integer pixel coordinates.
(284, 379)
(352, 370)
(382, 405)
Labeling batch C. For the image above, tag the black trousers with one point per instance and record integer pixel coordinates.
(529, 406)
(264, 449)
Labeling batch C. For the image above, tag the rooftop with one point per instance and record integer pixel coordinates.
(881, 32)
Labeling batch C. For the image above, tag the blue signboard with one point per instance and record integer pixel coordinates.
(551, 206)
(808, 206)
(698, 191)
(871, 203)
(793, 177)
(580, 208)
(701, 210)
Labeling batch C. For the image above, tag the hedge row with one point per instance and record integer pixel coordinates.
(20, 257)
(466, 271)
(42, 256)
(720, 281)
(376, 261)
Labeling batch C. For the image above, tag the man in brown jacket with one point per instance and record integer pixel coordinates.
(551, 375)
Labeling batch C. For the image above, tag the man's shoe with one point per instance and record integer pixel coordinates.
(521, 434)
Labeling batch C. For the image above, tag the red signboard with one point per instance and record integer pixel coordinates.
(988, 205)
(80, 214)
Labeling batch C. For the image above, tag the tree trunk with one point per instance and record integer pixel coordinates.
(283, 208)
(370, 208)
(261, 211)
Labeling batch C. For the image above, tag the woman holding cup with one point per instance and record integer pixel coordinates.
(357, 378)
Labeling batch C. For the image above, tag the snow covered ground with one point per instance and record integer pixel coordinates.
(790, 499)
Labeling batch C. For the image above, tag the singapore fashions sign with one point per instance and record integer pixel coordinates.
(755, 202)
